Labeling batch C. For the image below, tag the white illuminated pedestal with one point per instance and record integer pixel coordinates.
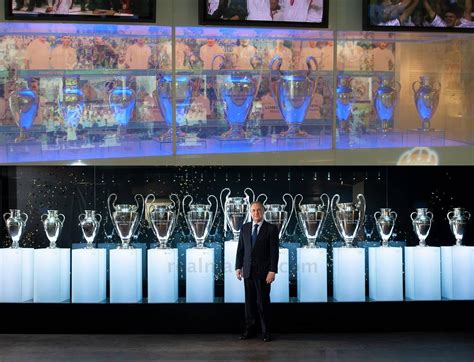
(234, 291)
(457, 272)
(88, 275)
(16, 275)
(349, 274)
(125, 276)
(280, 288)
(52, 272)
(312, 275)
(200, 275)
(386, 274)
(422, 273)
(162, 275)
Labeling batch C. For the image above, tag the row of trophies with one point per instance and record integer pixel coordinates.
(291, 91)
(163, 217)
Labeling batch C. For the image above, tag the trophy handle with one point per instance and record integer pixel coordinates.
(430, 213)
(64, 219)
(209, 198)
(362, 207)
(377, 217)
(468, 215)
(278, 61)
(298, 196)
(250, 192)
(448, 215)
(438, 88)
(413, 86)
(328, 200)
(394, 215)
(292, 204)
(138, 197)
(174, 198)
(220, 65)
(26, 217)
(184, 210)
(150, 198)
(81, 217)
(265, 198)
(413, 216)
(114, 196)
(43, 217)
(398, 86)
(223, 205)
(98, 218)
(334, 202)
(5, 216)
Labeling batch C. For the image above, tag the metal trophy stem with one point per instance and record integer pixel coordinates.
(89, 222)
(163, 217)
(385, 221)
(126, 218)
(236, 210)
(421, 220)
(426, 100)
(15, 221)
(458, 219)
(311, 217)
(278, 215)
(200, 218)
(386, 96)
(348, 217)
(53, 223)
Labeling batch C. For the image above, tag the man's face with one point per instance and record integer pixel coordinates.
(450, 19)
(211, 42)
(244, 42)
(256, 210)
(66, 41)
(383, 45)
(141, 41)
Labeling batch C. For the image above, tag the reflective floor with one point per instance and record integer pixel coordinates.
(328, 347)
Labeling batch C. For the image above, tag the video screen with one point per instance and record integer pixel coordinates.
(430, 15)
(309, 13)
(114, 10)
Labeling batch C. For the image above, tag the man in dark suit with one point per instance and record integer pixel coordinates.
(257, 263)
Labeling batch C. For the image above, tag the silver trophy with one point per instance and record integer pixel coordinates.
(15, 220)
(386, 96)
(23, 104)
(72, 102)
(292, 93)
(237, 91)
(458, 219)
(125, 218)
(278, 214)
(89, 222)
(163, 217)
(122, 100)
(427, 93)
(385, 221)
(200, 218)
(236, 210)
(311, 217)
(345, 98)
(348, 217)
(421, 220)
(53, 224)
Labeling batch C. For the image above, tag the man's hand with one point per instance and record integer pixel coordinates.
(238, 274)
(270, 277)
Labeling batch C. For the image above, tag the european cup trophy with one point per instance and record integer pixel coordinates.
(236, 210)
(122, 100)
(311, 217)
(126, 218)
(200, 218)
(237, 91)
(53, 223)
(23, 104)
(163, 217)
(421, 220)
(292, 93)
(458, 219)
(427, 93)
(348, 217)
(72, 102)
(89, 222)
(344, 100)
(278, 214)
(385, 221)
(15, 221)
(386, 96)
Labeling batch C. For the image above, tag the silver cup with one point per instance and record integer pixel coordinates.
(385, 222)
(278, 214)
(89, 222)
(458, 219)
(15, 221)
(53, 223)
(386, 96)
(126, 218)
(122, 101)
(292, 93)
(311, 217)
(163, 217)
(200, 218)
(23, 104)
(426, 93)
(421, 220)
(348, 217)
(345, 99)
(236, 210)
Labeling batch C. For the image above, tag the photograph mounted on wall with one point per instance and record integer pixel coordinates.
(301, 13)
(74, 10)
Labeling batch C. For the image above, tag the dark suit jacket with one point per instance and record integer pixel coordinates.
(256, 262)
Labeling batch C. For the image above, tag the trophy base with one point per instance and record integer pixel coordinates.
(23, 136)
(294, 131)
(235, 132)
(168, 136)
(311, 246)
(125, 247)
(89, 246)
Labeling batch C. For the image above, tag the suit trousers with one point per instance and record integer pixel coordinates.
(257, 301)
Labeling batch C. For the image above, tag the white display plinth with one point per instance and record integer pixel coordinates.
(126, 276)
(234, 291)
(422, 273)
(280, 288)
(312, 275)
(162, 275)
(386, 274)
(16, 275)
(52, 272)
(457, 272)
(89, 275)
(200, 275)
(349, 274)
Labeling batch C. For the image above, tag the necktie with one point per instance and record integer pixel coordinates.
(254, 234)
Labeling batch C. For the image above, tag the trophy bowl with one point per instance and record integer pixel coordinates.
(89, 222)
(426, 92)
(348, 217)
(53, 223)
(344, 100)
(278, 215)
(421, 220)
(200, 218)
(15, 221)
(385, 222)
(236, 210)
(163, 217)
(386, 96)
(311, 218)
(458, 219)
(122, 100)
(23, 104)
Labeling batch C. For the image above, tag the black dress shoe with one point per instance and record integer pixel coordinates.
(267, 337)
(247, 335)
